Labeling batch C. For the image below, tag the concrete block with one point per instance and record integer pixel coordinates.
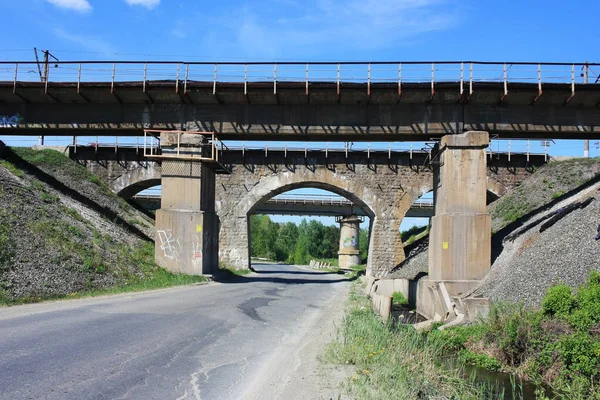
(460, 247)
(476, 307)
(187, 241)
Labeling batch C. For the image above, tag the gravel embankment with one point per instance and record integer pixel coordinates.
(527, 262)
(62, 231)
(566, 252)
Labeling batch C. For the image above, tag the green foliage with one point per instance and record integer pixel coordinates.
(49, 198)
(558, 344)
(512, 328)
(12, 168)
(399, 298)
(479, 360)
(580, 355)
(587, 312)
(296, 244)
(559, 301)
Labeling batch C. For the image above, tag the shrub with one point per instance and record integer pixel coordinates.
(587, 312)
(580, 354)
(558, 301)
(514, 329)
(399, 298)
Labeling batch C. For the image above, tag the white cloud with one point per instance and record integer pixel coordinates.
(319, 25)
(77, 5)
(89, 43)
(149, 4)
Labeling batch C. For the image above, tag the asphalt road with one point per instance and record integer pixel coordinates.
(216, 341)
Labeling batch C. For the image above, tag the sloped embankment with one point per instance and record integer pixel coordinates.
(62, 232)
(526, 261)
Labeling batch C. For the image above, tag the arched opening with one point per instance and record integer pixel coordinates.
(148, 199)
(300, 224)
(137, 187)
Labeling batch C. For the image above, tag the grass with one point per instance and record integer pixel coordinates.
(52, 159)
(399, 298)
(152, 277)
(395, 361)
(233, 271)
(12, 168)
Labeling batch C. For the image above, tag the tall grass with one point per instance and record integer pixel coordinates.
(395, 361)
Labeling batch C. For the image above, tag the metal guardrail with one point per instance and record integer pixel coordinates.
(331, 200)
(180, 73)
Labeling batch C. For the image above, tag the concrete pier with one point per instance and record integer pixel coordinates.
(187, 226)
(349, 254)
(460, 238)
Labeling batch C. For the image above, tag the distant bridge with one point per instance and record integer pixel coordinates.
(300, 204)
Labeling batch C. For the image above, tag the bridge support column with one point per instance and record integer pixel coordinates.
(460, 237)
(349, 254)
(187, 226)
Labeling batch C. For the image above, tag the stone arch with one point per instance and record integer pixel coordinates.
(136, 180)
(495, 189)
(385, 202)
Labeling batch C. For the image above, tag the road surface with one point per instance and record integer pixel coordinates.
(254, 337)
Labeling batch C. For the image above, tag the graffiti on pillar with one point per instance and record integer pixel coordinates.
(10, 121)
(350, 241)
(196, 248)
(170, 246)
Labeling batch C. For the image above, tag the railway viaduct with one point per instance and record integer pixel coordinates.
(458, 104)
(383, 185)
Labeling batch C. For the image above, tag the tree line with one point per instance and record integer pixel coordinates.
(297, 244)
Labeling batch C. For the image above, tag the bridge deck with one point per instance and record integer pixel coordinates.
(367, 108)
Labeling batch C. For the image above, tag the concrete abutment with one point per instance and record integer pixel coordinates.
(186, 224)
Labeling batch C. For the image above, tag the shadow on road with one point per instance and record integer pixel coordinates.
(262, 274)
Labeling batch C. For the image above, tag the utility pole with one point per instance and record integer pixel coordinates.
(44, 74)
(46, 62)
(586, 143)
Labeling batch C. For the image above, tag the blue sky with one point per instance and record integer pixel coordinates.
(306, 30)
(302, 30)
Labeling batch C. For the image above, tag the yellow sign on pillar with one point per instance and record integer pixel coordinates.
(445, 245)
(198, 228)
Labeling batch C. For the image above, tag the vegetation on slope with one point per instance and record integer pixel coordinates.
(63, 233)
(557, 345)
(547, 184)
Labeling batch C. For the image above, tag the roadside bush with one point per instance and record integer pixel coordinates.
(559, 301)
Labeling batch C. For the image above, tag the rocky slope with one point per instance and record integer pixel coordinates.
(526, 261)
(62, 230)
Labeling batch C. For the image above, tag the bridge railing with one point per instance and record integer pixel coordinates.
(180, 74)
(309, 199)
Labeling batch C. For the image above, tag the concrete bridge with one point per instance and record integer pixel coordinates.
(345, 101)
(381, 185)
